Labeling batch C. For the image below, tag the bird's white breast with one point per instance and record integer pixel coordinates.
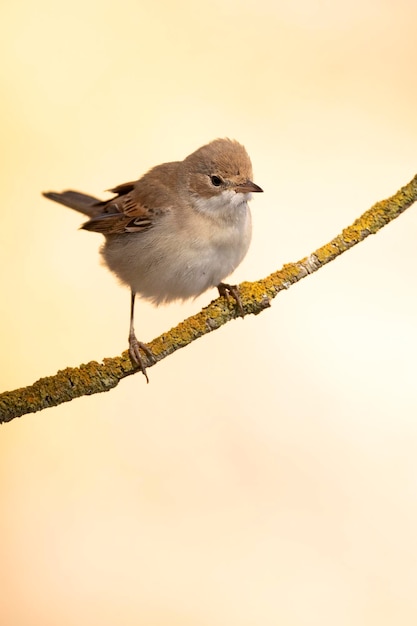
(183, 255)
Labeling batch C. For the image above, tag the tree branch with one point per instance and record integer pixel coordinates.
(97, 377)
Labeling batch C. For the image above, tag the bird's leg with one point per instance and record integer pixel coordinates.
(231, 290)
(136, 346)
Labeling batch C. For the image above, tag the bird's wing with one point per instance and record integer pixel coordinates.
(122, 214)
(137, 203)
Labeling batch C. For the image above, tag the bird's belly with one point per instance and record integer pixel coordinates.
(181, 271)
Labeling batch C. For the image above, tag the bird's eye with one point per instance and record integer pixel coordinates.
(216, 181)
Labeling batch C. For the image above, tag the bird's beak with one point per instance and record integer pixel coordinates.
(247, 187)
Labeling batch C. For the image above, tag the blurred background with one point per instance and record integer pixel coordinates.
(268, 472)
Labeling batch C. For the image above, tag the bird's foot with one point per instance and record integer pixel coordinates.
(231, 290)
(136, 357)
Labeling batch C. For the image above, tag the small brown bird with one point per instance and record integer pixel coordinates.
(177, 231)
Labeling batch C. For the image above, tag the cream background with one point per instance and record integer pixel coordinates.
(268, 473)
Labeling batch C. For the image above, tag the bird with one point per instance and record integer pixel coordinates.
(177, 231)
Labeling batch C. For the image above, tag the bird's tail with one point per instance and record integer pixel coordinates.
(81, 202)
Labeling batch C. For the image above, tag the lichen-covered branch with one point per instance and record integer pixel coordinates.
(95, 377)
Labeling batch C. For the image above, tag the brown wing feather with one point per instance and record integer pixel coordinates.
(111, 224)
(136, 203)
(124, 188)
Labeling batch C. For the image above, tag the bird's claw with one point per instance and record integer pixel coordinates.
(226, 290)
(136, 357)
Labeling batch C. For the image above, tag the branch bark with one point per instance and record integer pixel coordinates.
(95, 377)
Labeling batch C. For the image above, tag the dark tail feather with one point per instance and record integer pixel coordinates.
(75, 200)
